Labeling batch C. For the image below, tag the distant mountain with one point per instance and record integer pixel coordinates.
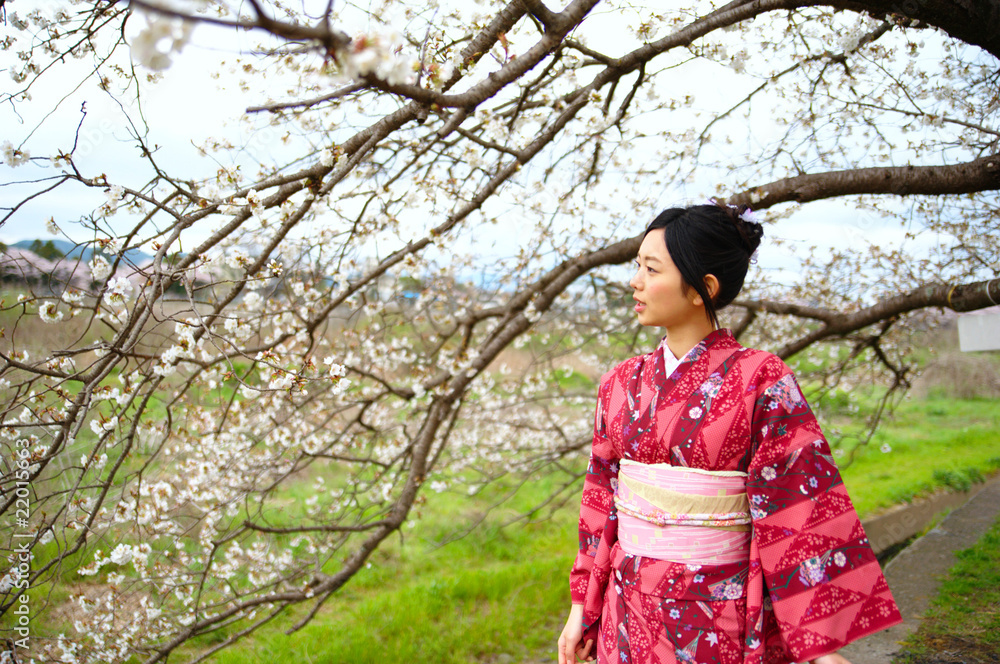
(86, 252)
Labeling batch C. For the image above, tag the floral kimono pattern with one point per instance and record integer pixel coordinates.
(811, 583)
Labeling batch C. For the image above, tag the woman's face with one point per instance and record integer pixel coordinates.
(660, 294)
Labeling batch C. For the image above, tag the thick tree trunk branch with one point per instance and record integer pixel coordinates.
(957, 297)
(979, 175)
(972, 22)
(544, 15)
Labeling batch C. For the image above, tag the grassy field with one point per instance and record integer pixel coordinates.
(928, 445)
(964, 619)
(499, 594)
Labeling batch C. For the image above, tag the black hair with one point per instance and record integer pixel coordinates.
(710, 239)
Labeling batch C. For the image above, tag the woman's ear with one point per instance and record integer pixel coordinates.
(712, 286)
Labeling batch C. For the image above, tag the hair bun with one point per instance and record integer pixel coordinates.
(745, 220)
(754, 232)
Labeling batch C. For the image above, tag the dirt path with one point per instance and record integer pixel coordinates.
(914, 576)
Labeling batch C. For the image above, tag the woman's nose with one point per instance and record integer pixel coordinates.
(634, 281)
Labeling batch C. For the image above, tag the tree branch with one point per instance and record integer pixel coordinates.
(957, 297)
(981, 174)
(971, 22)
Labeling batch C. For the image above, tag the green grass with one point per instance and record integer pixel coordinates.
(964, 618)
(934, 444)
(458, 616)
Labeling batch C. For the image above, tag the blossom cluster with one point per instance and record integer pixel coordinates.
(13, 156)
(379, 55)
(153, 47)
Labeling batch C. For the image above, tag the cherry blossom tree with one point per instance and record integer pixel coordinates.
(374, 295)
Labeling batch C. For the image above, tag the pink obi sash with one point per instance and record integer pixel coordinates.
(684, 515)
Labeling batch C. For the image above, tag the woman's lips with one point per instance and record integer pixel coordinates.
(639, 306)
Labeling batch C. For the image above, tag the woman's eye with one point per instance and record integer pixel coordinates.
(650, 270)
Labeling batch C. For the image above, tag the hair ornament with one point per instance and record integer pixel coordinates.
(748, 215)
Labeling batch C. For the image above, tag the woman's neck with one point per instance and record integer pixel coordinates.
(682, 338)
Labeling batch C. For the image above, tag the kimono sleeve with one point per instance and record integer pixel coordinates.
(597, 502)
(820, 574)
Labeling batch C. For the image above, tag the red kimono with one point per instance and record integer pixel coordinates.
(811, 583)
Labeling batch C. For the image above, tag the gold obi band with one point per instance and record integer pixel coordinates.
(682, 514)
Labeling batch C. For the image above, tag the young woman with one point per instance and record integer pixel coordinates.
(714, 525)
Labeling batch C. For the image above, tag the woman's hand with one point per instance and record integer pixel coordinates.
(832, 658)
(570, 648)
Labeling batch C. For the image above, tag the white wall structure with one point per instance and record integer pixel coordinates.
(979, 332)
